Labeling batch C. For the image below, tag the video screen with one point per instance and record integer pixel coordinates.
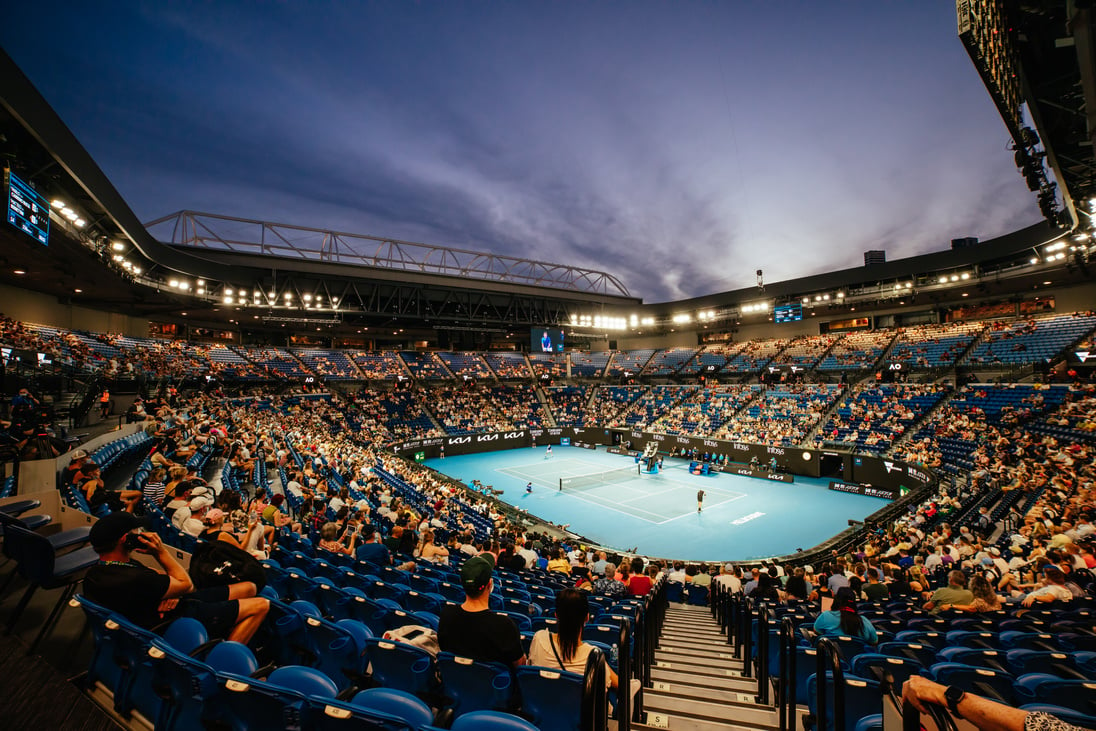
(28, 211)
(788, 313)
(546, 340)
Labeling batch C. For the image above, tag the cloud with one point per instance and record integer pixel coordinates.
(679, 148)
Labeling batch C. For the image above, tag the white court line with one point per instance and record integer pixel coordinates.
(615, 510)
(723, 502)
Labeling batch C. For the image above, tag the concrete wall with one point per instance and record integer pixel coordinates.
(44, 309)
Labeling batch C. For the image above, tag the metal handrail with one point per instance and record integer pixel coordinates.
(624, 676)
(763, 613)
(828, 652)
(594, 712)
(787, 699)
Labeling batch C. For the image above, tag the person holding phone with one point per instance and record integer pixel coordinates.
(149, 598)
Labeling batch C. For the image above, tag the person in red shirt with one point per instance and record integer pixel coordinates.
(639, 584)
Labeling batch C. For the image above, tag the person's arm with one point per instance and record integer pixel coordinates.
(987, 715)
(180, 582)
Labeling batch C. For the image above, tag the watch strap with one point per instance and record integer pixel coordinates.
(953, 695)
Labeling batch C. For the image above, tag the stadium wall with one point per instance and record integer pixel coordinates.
(45, 309)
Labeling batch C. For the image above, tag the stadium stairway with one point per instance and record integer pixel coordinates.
(697, 684)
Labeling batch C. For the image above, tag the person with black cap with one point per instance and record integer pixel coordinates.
(149, 598)
(472, 629)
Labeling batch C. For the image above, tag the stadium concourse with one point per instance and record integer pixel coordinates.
(323, 469)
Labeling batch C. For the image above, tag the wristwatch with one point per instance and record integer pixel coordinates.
(953, 695)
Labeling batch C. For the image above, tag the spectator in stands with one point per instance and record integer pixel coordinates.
(430, 551)
(370, 550)
(985, 598)
(956, 592)
(95, 492)
(153, 490)
(985, 714)
(797, 587)
(564, 648)
(639, 584)
(331, 541)
(149, 598)
(472, 629)
(1052, 588)
(875, 590)
(214, 521)
(560, 563)
(608, 585)
(194, 523)
(843, 619)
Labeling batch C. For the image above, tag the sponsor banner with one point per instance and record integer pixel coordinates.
(887, 475)
(491, 441)
(621, 450)
(584, 445)
(745, 471)
(869, 490)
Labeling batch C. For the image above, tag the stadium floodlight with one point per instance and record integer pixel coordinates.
(825, 298)
(942, 280)
(136, 270)
(80, 223)
(228, 291)
(909, 285)
(69, 214)
(118, 246)
(57, 203)
(1034, 260)
(118, 257)
(228, 300)
(955, 277)
(681, 318)
(308, 298)
(965, 275)
(806, 300)
(840, 295)
(288, 295)
(173, 283)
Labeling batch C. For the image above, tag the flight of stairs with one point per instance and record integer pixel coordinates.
(698, 684)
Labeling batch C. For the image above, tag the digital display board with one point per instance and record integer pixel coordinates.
(546, 340)
(788, 313)
(27, 210)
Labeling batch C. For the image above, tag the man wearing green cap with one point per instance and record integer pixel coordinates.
(472, 629)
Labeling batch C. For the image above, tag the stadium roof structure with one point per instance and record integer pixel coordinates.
(1039, 57)
(210, 270)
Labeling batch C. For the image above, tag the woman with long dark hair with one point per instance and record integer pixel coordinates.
(843, 619)
(564, 648)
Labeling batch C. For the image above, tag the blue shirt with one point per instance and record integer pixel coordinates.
(828, 624)
(374, 552)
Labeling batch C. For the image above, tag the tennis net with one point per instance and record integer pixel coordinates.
(608, 477)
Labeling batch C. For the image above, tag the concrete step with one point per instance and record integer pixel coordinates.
(723, 656)
(699, 670)
(688, 635)
(687, 712)
(700, 684)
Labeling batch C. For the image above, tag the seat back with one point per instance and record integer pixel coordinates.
(474, 685)
(551, 698)
(401, 666)
(34, 553)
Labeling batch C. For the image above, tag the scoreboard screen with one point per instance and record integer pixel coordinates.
(546, 340)
(788, 313)
(27, 210)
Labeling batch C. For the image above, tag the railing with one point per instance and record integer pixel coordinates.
(787, 688)
(828, 653)
(624, 676)
(763, 614)
(594, 714)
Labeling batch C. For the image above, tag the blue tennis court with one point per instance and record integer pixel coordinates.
(743, 518)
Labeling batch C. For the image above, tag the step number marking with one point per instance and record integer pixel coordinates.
(725, 656)
(661, 664)
(746, 698)
(658, 720)
(662, 686)
(734, 673)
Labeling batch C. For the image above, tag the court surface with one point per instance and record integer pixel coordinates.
(743, 518)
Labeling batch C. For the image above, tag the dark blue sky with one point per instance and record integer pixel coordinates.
(677, 145)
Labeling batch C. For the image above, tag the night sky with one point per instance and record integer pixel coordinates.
(678, 145)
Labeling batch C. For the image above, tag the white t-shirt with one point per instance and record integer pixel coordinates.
(540, 654)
